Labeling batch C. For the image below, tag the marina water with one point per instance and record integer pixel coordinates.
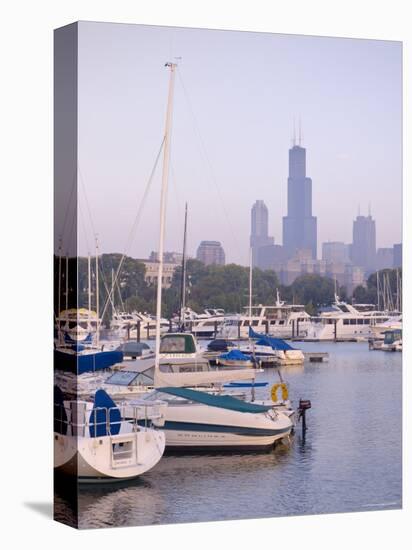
(349, 461)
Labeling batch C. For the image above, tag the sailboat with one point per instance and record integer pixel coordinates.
(198, 419)
(95, 442)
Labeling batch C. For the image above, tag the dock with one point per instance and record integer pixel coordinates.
(316, 356)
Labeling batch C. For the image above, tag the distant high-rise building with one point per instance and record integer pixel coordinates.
(397, 255)
(259, 233)
(364, 243)
(384, 258)
(299, 226)
(211, 252)
(335, 252)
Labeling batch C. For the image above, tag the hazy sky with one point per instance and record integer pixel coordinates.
(235, 102)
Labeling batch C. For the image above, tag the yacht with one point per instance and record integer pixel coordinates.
(280, 320)
(76, 326)
(95, 442)
(343, 321)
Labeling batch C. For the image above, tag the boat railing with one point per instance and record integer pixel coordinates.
(76, 420)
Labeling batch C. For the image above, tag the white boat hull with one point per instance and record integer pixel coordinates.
(118, 457)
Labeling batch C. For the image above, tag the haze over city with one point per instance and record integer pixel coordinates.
(238, 96)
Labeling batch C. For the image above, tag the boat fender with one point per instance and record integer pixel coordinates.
(284, 390)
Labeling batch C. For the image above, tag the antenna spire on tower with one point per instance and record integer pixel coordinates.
(294, 132)
(300, 132)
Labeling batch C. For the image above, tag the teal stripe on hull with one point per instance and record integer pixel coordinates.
(216, 428)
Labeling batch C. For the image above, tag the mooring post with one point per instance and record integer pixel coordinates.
(335, 329)
(297, 328)
(215, 329)
(147, 330)
(128, 331)
(267, 326)
(170, 325)
(293, 328)
(138, 331)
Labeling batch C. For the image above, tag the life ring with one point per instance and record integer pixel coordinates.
(274, 391)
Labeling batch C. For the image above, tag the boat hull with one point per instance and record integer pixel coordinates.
(108, 458)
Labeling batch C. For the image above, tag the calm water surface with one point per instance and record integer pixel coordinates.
(350, 460)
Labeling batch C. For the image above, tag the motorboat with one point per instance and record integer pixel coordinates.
(343, 321)
(95, 442)
(276, 350)
(280, 320)
(76, 326)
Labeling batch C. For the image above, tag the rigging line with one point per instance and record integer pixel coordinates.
(137, 219)
(87, 202)
(206, 158)
(83, 225)
(68, 207)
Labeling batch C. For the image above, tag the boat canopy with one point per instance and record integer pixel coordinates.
(220, 401)
(105, 417)
(274, 343)
(197, 378)
(235, 355)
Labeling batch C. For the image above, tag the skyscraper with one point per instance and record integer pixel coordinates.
(211, 252)
(259, 230)
(364, 242)
(299, 226)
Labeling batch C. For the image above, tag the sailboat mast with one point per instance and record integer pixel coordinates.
(377, 289)
(165, 181)
(97, 293)
(67, 282)
(250, 283)
(183, 281)
(89, 285)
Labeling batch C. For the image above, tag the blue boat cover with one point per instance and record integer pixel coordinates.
(265, 340)
(235, 355)
(220, 401)
(87, 362)
(103, 414)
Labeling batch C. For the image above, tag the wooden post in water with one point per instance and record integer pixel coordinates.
(128, 331)
(215, 329)
(138, 331)
(335, 329)
(297, 328)
(293, 328)
(170, 325)
(147, 330)
(266, 326)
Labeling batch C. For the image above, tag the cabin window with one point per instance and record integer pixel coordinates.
(346, 321)
(255, 323)
(353, 321)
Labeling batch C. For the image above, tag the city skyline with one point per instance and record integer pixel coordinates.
(237, 95)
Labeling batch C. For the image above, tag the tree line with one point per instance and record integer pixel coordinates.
(225, 287)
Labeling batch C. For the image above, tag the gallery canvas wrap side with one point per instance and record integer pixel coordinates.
(227, 275)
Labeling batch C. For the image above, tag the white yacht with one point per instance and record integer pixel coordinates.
(378, 329)
(202, 325)
(76, 326)
(95, 442)
(343, 321)
(280, 320)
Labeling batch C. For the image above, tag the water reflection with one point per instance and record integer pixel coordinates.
(350, 460)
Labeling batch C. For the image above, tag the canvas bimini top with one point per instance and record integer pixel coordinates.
(220, 401)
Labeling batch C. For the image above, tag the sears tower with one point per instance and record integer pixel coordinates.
(299, 226)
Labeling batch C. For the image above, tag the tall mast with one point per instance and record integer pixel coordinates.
(59, 289)
(165, 181)
(183, 281)
(89, 288)
(67, 282)
(250, 283)
(377, 290)
(97, 291)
